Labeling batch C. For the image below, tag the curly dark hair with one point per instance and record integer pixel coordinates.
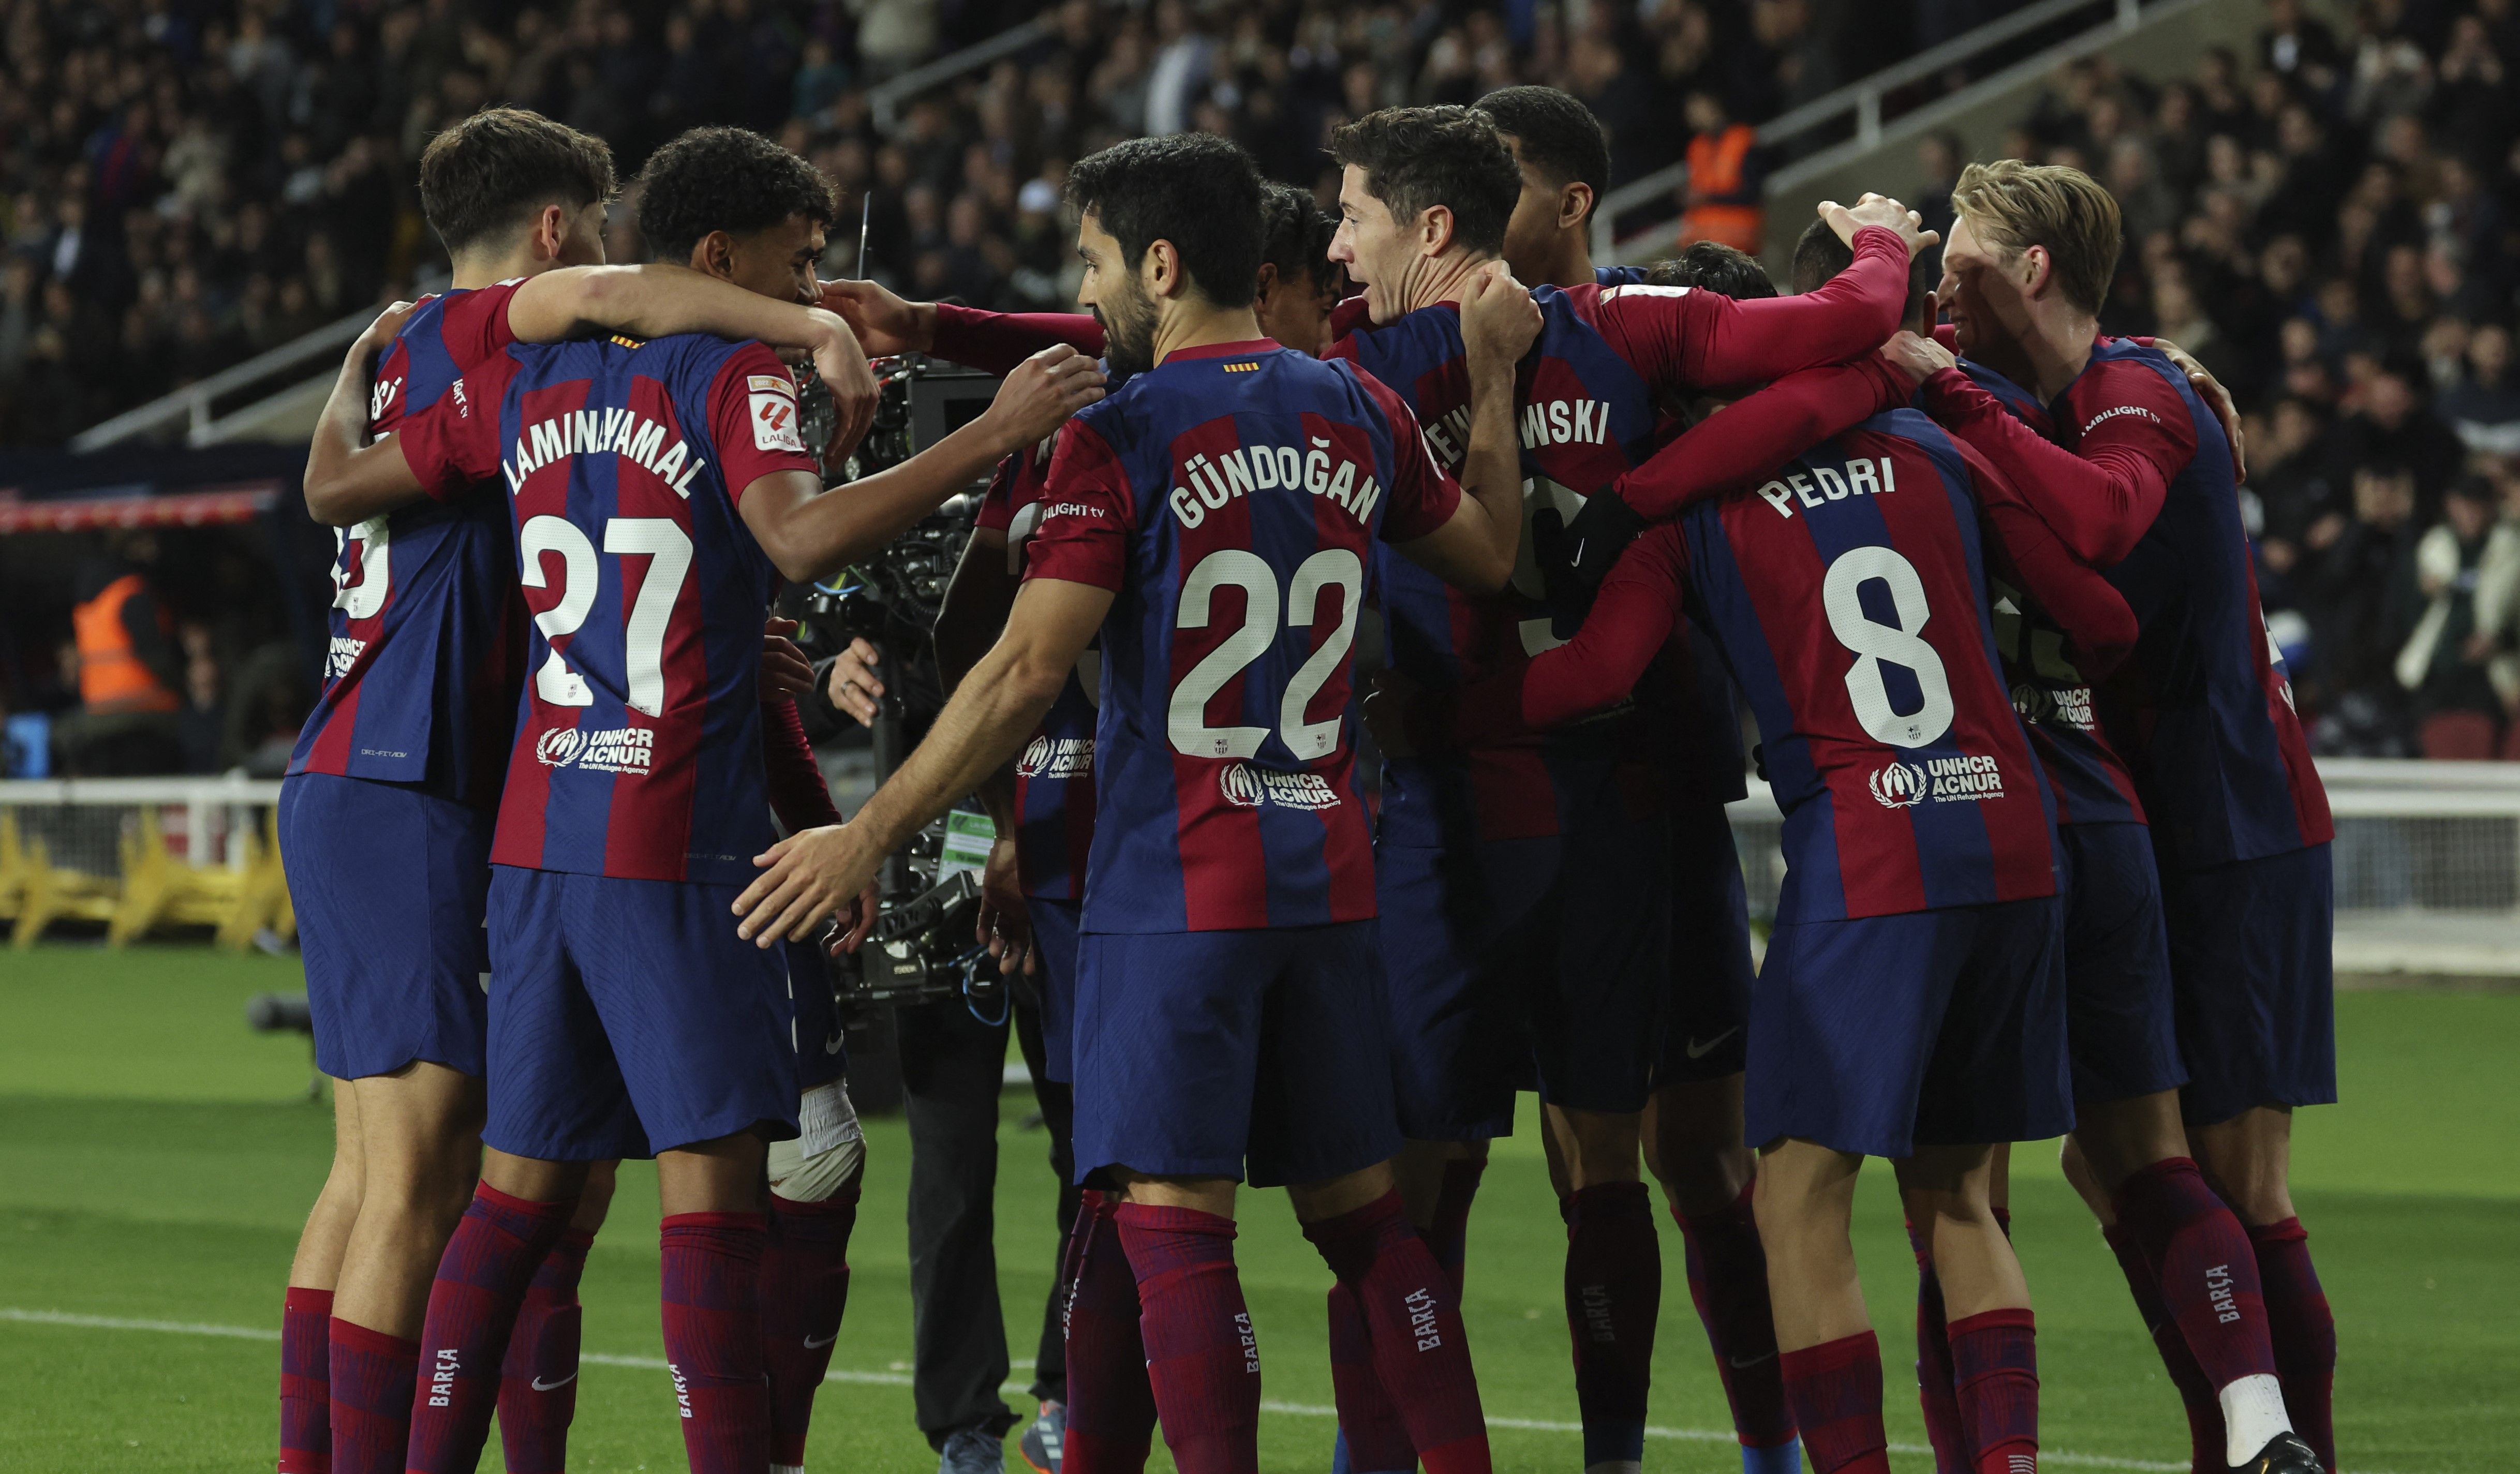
(1197, 190)
(729, 179)
(1713, 266)
(1554, 132)
(1416, 158)
(1295, 235)
(490, 172)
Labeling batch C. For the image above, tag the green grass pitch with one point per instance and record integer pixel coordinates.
(155, 1160)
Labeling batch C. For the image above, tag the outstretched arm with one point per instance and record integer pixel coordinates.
(808, 876)
(1635, 615)
(810, 533)
(2099, 624)
(1742, 443)
(991, 342)
(1688, 339)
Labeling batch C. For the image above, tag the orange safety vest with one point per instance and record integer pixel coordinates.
(1718, 208)
(112, 676)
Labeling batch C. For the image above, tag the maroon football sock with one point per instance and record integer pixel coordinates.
(371, 1377)
(1448, 1236)
(1202, 1360)
(1995, 1363)
(538, 1379)
(2203, 1263)
(305, 1370)
(2195, 1394)
(1413, 1324)
(2304, 1332)
(712, 1312)
(1110, 1407)
(1834, 1390)
(1728, 1282)
(1613, 1299)
(1936, 1390)
(1377, 1440)
(499, 1244)
(804, 1292)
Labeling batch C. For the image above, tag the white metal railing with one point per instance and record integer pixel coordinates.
(1863, 100)
(193, 404)
(216, 810)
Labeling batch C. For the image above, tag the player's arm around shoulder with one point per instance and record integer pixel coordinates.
(1474, 547)
(660, 300)
(350, 480)
(429, 452)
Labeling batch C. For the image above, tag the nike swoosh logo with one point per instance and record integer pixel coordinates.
(1698, 1050)
(813, 1345)
(541, 1386)
(1739, 1363)
(839, 1041)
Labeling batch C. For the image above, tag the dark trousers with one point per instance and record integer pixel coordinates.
(951, 1068)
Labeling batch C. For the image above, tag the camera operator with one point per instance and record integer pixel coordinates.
(952, 1064)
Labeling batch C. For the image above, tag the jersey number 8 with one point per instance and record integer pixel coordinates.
(1902, 644)
(1187, 720)
(663, 541)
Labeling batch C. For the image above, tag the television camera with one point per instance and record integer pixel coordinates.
(920, 949)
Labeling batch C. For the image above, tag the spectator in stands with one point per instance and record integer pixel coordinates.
(1940, 155)
(2483, 406)
(219, 178)
(2358, 578)
(2392, 424)
(1727, 179)
(203, 719)
(2443, 665)
(130, 668)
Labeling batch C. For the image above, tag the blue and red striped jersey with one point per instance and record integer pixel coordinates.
(1849, 596)
(1230, 497)
(419, 673)
(1054, 772)
(638, 749)
(2138, 479)
(2053, 696)
(1587, 400)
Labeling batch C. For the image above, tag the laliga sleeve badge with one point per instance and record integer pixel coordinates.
(774, 413)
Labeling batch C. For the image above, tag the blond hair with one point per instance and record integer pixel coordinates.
(2014, 205)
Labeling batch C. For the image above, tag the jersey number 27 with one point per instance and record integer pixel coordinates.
(668, 549)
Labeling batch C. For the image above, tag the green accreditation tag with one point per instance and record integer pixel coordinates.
(967, 838)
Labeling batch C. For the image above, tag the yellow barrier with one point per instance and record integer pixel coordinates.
(156, 889)
(39, 893)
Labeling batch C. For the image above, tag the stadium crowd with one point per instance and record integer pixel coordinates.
(2334, 225)
(183, 185)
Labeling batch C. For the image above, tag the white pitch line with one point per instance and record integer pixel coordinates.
(900, 1379)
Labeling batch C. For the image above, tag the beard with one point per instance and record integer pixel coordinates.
(1127, 320)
